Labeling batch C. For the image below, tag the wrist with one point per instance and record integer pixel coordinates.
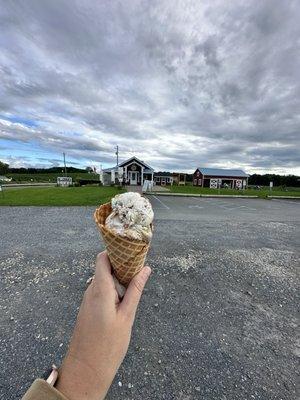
(78, 381)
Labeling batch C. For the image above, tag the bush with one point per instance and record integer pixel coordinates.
(82, 182)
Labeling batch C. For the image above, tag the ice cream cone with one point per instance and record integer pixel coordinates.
(127, 256)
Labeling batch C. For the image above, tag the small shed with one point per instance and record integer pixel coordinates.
(215, 178)
(179, 178)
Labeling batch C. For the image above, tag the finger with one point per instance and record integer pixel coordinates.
(120, 289)
(103, 267)
(103, 282)
(133, 293)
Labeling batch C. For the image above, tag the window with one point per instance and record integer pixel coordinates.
(157, 179)
(199, 182)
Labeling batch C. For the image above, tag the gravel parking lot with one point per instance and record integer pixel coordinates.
(218, 318)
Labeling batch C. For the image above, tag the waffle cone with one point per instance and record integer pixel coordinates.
(127, 256)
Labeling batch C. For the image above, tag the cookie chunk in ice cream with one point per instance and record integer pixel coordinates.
(131, 216)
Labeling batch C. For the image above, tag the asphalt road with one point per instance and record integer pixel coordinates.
(218, 318)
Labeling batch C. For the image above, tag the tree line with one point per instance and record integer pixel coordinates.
(5, 169)
(255, 179)
(278, 180)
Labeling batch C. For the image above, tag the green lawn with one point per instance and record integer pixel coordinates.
(261, 193)
(50, 177)
(58, 196)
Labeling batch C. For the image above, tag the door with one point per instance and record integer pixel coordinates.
(133, 178)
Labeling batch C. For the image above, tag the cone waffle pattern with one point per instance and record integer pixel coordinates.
(127, 256)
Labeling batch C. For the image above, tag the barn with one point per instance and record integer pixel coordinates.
(217, 177)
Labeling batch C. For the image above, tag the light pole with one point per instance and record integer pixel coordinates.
(117, 154)
(65, 164)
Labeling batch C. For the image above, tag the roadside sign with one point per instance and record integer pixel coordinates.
(271, 184)
(147, 186)
(64, 181)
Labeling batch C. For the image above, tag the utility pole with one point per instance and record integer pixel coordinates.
(65, 164)
(117, 154)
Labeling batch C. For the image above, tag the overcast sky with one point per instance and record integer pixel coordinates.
(179, 84)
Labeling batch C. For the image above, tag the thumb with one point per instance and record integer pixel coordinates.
(134, 292)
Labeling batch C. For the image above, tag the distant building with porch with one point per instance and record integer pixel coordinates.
(129, 172)
(217, 177)
(163, 178)
(168, 178)
(179, 178)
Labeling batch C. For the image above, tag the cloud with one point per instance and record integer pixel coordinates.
(179, 84)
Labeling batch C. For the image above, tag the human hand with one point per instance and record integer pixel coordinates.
(101, 335)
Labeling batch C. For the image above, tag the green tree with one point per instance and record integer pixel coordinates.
(3, 167)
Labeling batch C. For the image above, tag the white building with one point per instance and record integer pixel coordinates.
(129, 172)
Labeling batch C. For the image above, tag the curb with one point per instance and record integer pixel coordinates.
(202, 195)
(16, 185)
(284, 197)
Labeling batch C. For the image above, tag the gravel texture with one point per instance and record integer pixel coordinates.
(217, 320)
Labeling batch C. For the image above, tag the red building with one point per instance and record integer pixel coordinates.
(217, 177)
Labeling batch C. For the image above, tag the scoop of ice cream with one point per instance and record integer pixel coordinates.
(131, 216)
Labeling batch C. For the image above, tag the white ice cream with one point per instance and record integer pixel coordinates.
(131, 216)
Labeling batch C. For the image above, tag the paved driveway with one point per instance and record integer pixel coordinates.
(217, 320)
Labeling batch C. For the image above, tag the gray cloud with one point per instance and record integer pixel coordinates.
(179, 84)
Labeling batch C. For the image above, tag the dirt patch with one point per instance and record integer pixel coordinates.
(267, 261)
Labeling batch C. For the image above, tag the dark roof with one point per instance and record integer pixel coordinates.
(223, 172)
(137, 160)
(147, 170)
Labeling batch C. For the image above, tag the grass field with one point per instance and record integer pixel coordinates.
(50, 177)
(58, 196)
(261, 193)
(94, 195)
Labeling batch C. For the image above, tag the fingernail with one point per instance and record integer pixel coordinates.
(146, 271)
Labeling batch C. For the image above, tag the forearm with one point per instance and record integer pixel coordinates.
(74, 387)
